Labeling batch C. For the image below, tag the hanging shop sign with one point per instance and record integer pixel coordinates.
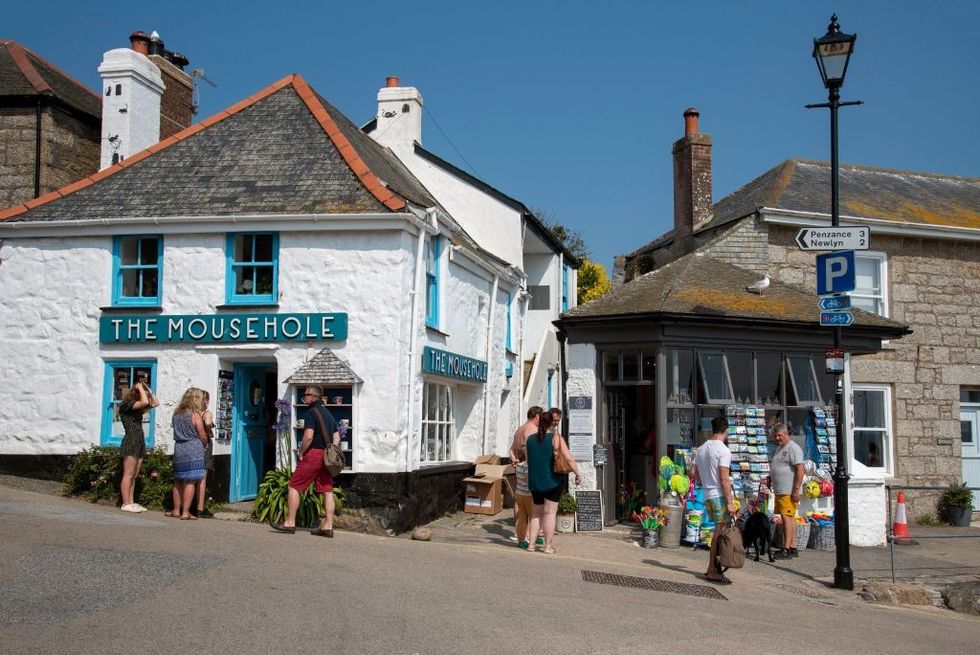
(834, 360)
(452, 365)
(222, 328)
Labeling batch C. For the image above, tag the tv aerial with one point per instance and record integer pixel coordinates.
(197, 73)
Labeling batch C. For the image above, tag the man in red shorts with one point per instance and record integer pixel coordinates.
(310, 467)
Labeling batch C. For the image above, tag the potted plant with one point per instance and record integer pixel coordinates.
(651, 519)
(567, 506)
(956, 505)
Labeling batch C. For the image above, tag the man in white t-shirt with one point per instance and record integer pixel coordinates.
(711, 466)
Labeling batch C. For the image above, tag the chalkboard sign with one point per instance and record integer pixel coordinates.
(588, 516)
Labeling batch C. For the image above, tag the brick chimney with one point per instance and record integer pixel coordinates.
(177, 104)
(692, 177)
(399, 119)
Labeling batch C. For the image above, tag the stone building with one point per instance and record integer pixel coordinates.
(913, 405)
(49, 126)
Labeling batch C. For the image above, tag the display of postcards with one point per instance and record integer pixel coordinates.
(833, 448)
(739, 429)
(755, 477)
(819, 413)
(823, 449)
(831, 422)
(758, 458)
(764, 467)
(751, 430)
(753, 449)
(756, 467)
(821, 422)
(824, 459)
(744, 466)
(822, 430)
(731, 410)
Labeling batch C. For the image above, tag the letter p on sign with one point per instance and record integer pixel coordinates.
(835, 272)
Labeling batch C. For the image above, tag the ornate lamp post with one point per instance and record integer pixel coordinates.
(832, 52)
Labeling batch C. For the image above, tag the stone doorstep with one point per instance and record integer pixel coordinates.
(958, 596)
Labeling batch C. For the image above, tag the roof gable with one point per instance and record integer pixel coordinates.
(278, 151)
(23, 73)
(324, 368)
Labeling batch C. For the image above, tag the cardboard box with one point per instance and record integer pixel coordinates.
(483, 495)
(493, 470)
(487, 459)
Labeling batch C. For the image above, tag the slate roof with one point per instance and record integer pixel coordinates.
(324, 368)
(699, 286)
(898, 196)
(283, 150)
(24, 74)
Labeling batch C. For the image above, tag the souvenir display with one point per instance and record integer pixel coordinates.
(748, 443)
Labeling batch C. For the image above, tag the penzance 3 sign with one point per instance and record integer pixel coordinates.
(834, 238)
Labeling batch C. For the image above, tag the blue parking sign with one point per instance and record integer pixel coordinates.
(835, 272)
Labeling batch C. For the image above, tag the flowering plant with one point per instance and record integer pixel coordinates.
(651, 518)
(630, 498)
(285, 414)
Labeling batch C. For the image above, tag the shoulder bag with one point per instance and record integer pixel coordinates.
(559, 463)
(333, 456)
(731, 551)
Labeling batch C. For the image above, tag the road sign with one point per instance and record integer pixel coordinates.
(835, 272)
(834, 302)
(834, 360)
(836, 319)
(834, 238)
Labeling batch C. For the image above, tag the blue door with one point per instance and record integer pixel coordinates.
(249, 428)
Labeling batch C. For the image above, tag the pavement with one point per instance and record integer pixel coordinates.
(83, 578)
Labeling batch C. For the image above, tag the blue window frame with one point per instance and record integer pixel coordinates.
(252, 272)
(137, 270)
(432, 252)
(564, 288)
(119, 377)
(509, 342)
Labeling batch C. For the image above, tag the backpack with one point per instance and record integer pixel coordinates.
(731, 552)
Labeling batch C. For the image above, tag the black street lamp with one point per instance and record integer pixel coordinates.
(832, 52)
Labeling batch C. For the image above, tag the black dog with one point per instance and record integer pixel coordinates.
(756, 535)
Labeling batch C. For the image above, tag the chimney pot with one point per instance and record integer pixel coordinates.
(691, 121)
(391, 81)
(140, 42)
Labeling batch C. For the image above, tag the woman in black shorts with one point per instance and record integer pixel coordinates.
(545, 485)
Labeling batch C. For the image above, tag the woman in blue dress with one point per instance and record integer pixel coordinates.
(190, 436)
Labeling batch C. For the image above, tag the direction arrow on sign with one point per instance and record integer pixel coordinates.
(836, 319)
(835, 302)
(834, 238)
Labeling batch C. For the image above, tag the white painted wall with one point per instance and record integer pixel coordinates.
(132, 117)
(52, 291)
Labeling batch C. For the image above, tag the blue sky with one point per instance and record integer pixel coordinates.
(572, 106)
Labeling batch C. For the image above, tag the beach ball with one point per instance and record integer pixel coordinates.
(812, 489)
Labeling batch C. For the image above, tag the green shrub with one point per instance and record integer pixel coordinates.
(929, 519)
(567, 504)
(272, 501)
(958, 496)
(95, 473)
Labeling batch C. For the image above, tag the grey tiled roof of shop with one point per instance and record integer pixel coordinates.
(272, 157)
(324, 368)
(802, 185)
(702, 287)
(14, 83)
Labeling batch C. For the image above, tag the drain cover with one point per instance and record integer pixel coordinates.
(699, 590)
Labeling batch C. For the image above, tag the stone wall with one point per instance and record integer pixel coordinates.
(69, 151)
(932, 286)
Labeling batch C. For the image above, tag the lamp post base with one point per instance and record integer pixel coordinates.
(844, 579)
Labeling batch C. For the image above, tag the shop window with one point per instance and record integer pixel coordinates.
(968, 395)
(564, 288)
(769, 372)
(680, 373)
(438, 427)
(630, 366)
(803, 385)
(120, 376)
(433, 250)
(540, 296)
(648, 366)
(743, 376)
(680, 427)
(137, 263)
(253, 268)
(870, 277)
(715, 380)
(871, 436)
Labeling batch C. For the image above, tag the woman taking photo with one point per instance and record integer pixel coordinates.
(137, 401)
(545, 485)
(190, 435)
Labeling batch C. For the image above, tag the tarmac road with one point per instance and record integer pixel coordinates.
(80, 578)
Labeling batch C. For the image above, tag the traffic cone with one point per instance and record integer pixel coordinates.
(900, 529)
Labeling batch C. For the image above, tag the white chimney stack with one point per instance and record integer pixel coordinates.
(131, 90)
(399, 120)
